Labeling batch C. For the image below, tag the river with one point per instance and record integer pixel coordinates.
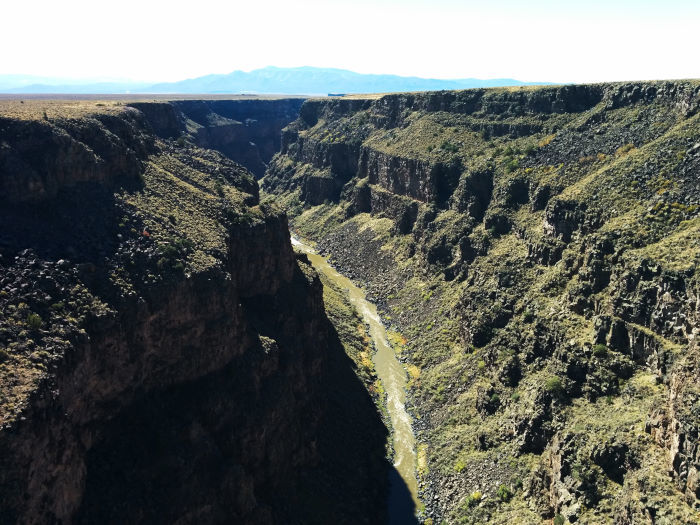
(393, 376)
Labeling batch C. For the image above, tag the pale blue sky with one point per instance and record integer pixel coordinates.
(537, 40)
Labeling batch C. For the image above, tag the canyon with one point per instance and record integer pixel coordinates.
(167, 356)
(537, 249)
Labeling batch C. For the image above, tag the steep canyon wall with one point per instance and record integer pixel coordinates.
(164, 355)
(539, 249)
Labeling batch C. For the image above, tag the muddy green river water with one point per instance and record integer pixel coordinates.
(389, 370)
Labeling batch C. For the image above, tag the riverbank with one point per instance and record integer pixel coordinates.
(392, 381)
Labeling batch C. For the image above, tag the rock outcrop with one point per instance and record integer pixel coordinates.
(246, 131)
(164, 355)
(538, 247)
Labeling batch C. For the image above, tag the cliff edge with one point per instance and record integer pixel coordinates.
(164, 355)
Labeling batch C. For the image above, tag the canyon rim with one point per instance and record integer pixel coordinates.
(167, 356)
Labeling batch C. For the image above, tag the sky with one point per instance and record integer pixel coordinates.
(534, 40)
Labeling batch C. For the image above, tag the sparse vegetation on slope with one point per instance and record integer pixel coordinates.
(156, 326)
(538, 249)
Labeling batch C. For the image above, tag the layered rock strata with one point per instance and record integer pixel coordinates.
(539, 249)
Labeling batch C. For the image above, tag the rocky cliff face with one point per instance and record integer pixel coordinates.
(246, 131)
(164, 356)
(539, 249)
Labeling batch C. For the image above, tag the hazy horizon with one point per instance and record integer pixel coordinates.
(108, 79)
(270, 80)
(543, 41)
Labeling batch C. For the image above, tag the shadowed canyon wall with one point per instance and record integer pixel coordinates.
(246, 131)
(164, 355)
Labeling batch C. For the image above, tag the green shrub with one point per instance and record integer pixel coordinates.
(175, 246)
(528, 316)
(515, 396)
(448, 146)
(34, 322)
(600, 351)
(474, 498)
(554, 385)
(559, 520)
(4, 355)
(512, 165)
(504, 493)
(173, 253)
(168, 251)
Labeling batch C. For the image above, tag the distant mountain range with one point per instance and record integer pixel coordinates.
(268, 80)
(36, 84)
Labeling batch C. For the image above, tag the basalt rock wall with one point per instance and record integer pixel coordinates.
(247, 131)
(538, 248)
(164, 355)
